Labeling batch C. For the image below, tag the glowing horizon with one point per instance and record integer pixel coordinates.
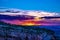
(34, 20)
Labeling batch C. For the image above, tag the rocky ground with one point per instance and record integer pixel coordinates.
(17, 32)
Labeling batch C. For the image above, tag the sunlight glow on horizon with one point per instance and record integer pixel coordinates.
(36, 14)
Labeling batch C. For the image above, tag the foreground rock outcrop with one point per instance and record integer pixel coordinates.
(17, 32)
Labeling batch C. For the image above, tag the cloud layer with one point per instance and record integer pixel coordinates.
(27, 12)
(28, 17)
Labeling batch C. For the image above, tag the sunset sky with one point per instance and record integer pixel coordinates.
(46, 7)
